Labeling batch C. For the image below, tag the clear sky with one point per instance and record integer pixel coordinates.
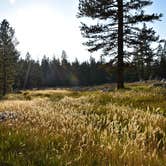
(50, 26)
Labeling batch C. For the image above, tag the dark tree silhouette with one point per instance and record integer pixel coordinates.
(115, 27)
(144, 53)
(8, 57)
(161, 53)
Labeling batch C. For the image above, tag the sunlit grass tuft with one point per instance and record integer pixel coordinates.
(85, 128)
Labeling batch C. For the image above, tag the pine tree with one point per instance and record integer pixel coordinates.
(55, 72)
(28, 63)
(144, 53)
(8, 57)
(66, 69)
(161, 53)
(75, 81)
(45, 69)
(115, 27)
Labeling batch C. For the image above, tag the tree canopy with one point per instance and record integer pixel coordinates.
(8, 56)
(116, 27)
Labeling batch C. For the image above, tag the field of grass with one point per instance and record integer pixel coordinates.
(90, 128)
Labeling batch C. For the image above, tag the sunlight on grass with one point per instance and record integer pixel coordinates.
(88, 128)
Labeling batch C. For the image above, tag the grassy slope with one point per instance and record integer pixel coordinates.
(85, 128)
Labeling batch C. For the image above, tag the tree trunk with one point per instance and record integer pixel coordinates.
(120, 67)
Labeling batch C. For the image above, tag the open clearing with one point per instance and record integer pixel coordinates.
(116, 128)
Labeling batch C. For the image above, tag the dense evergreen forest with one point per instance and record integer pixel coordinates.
(136, 52)
(146, 62)
(60, 72)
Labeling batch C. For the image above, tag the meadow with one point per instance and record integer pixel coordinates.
(89, 128)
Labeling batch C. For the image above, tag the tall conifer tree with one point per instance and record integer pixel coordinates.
(144, 53)
(115, 28)
(8, 57)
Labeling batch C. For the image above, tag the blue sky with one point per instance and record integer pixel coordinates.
(159, 6)
(49, 26)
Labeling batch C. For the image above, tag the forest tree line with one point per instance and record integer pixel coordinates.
(58, 72)
(146, 61)
(115, 32)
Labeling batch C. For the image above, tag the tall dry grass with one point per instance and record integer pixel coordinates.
(85, 128)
